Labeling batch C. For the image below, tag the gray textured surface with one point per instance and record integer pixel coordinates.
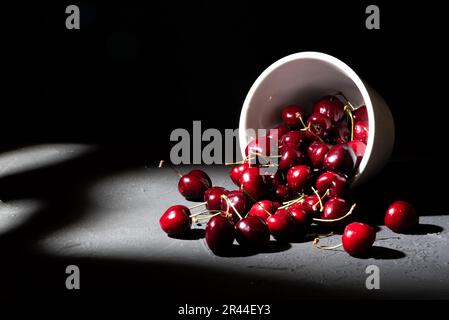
(120, 222)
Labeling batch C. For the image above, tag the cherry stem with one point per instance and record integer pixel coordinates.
(202, 212)
(195, 220)
(319, 200)
(246, 192)
(338, 219)
(228, 203)
(239, 162)
(315, 244)
(348, 110)
(162, 163)
(292, 202)
(197, 205)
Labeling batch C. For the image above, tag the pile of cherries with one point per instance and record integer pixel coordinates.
(317, 156)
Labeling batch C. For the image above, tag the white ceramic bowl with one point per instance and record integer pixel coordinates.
(304, 77)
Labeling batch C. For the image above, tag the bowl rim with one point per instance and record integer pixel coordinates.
(340, 65)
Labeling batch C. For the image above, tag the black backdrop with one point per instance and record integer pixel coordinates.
(136, 71)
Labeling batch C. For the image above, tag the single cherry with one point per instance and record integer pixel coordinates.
(282, 225)
(282, 193)
(238, 199)
(316, 152)
(302, 220)
(237, 171)
(358, 238)
(294, 138)
(176, 220)
(291, 116)
(360, 114)
(298, 177)
(260, 146)
(401, 216)
(336, 184)
(252, 232)
(331, 107)
(319, 126)
(291, 156)
(253, 183)
(193, 185)
(341, 133)
(340, 158)
(220, 234)
(212, 197)
(359, 149)
(334, 208)
(264, 208)
(361, 131)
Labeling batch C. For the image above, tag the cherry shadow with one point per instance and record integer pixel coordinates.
(424, 228)
(382, 253)
(192, 234)
(239, 251)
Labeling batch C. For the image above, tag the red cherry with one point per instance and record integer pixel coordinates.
(308, 204)
(297, 177)
(193, 185)
(360, 114)
(301, 218)
(319, 126)
(176, 220)
(361, 131)
(280, 130)
(359, 149)
(401, 216)
(332, 181)
(331, 107)
(340, 158)
(239, 200)
(294, 138)
(316, 152)
(291, 156)
(253, 183)
(334, 208)
(282, 225)
(264, 208)
(272, 181)
(340, 133)
(212, 197)
(260, 146)
(358, 238)
(282, 193)
(237, 171)
(290, 115)
(220, 234)
(252, 232)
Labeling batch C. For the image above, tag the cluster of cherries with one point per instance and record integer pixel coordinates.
(317, 156)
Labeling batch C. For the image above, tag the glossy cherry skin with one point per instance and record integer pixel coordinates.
(340, 158)
(319, 126)
(264, 208)
(336, 184)
(359, 149)
(252, 232)
(278, 131)
(302, 219)
(331, 107)
(253, 183)
(294, 138)
(358, 238)
(307, 204)
(260, 146)
(282, 225)
(335, 208)
(237, 171)
(240, 202)
(360, 114)
(176, 220)
(340, 133)
(291, 156)
(220, 234)
(282, 193)
(193, 185)
(290, 115)
(361, 131)
(212, 197)
(316, 152)
(401, 217)
(298, 177)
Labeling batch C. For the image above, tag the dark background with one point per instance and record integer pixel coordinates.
(136, 71)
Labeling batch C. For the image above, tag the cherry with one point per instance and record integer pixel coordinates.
(291, 156)
(253, 183)
(359, 149)
(237, 199)
(316, 152)
(282, 129)
(237, 171)
(308, 204)
(264, 209)
(340, 158)
(282, 193)
(358, 238)
(319, 126)
(281, 225)
(334, 208)
(332, 181)
(291, 114)
(401, 216)
(259, 146)
(212, 197)
(331, 107)
(252, 232)
(297, 177)
(220, 234)
(360, 114)
(341, 133)
(361, 131)
(193, 185)
(273, 180)
(176, 220)
(302, 219)
(294, 138)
